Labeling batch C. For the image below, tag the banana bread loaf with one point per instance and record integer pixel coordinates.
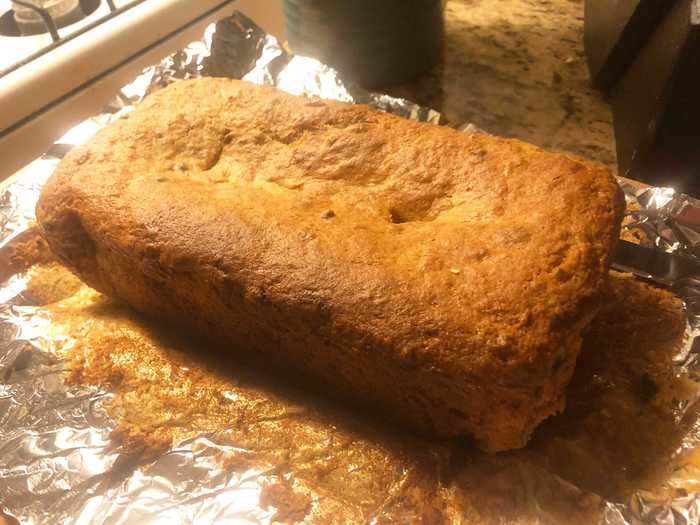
(442, 278)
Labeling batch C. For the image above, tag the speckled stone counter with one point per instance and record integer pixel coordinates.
(517, 68)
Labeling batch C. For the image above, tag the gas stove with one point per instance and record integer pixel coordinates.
(24, 33)
(62, 64)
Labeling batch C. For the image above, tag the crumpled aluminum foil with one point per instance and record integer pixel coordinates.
(57, 461)
(235, 47)
(674, 223)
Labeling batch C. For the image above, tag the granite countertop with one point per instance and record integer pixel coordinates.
(517, 68)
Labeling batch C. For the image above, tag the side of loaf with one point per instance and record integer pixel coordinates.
(442, 278)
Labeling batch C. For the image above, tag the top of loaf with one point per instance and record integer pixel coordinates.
(486, 251)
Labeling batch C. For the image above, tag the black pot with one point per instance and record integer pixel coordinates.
(373, 42)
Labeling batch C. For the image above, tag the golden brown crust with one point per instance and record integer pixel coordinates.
(443, 277)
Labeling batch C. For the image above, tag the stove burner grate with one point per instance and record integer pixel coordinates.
(28, 19)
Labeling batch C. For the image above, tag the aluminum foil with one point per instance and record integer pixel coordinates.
(59, 461)
(674, 223)
(235, 47)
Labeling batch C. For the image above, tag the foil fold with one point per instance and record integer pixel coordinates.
(663, 218)
(58, 460)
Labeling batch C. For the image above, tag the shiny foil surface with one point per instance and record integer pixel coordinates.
(265, 454)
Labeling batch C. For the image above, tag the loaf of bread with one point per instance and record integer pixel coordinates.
(441, 278)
